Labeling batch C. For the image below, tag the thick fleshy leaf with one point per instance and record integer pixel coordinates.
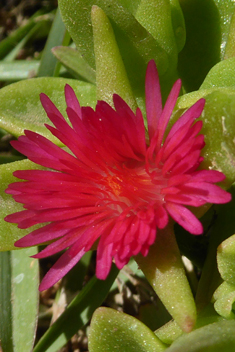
(77, 314)
(20, 107)
(177, 18)
(135, 43)
(9, 233)
(115, 331)
(76, 16)
(230, 42)
(155, 16)
(221, 75)
(178, 24)
(111, 77)
(220, 78)
(207, 27)
(214, 337)
(165, 272)
(171, 331)
(221, 228)
(226, 11)
(18, 300)
(74, 62)
(224, 298)
(218, 128)
(226, 259)
(219, 131)
(187, 100)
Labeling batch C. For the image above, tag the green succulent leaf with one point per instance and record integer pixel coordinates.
(135, 43)
(230, 42)
(111, 75)
(20, 106)
(226, 259)
(75, 63)
(9, 233)
(225, 10)
(178, 24)
(207, 27)
(214, 337)
(218, 128)
(77, 18)
(219, 131)
(221, 75)
(220, 78)
(171, 331)
(224, 298)
(114, 331)
(221, 228)
(155, 16)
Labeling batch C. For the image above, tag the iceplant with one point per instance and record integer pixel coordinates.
(115, 186)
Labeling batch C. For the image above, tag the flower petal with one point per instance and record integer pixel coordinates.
(153, 98)
(185, 218)
(63, 265)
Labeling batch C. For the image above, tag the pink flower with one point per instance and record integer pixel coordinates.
(114, 185)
